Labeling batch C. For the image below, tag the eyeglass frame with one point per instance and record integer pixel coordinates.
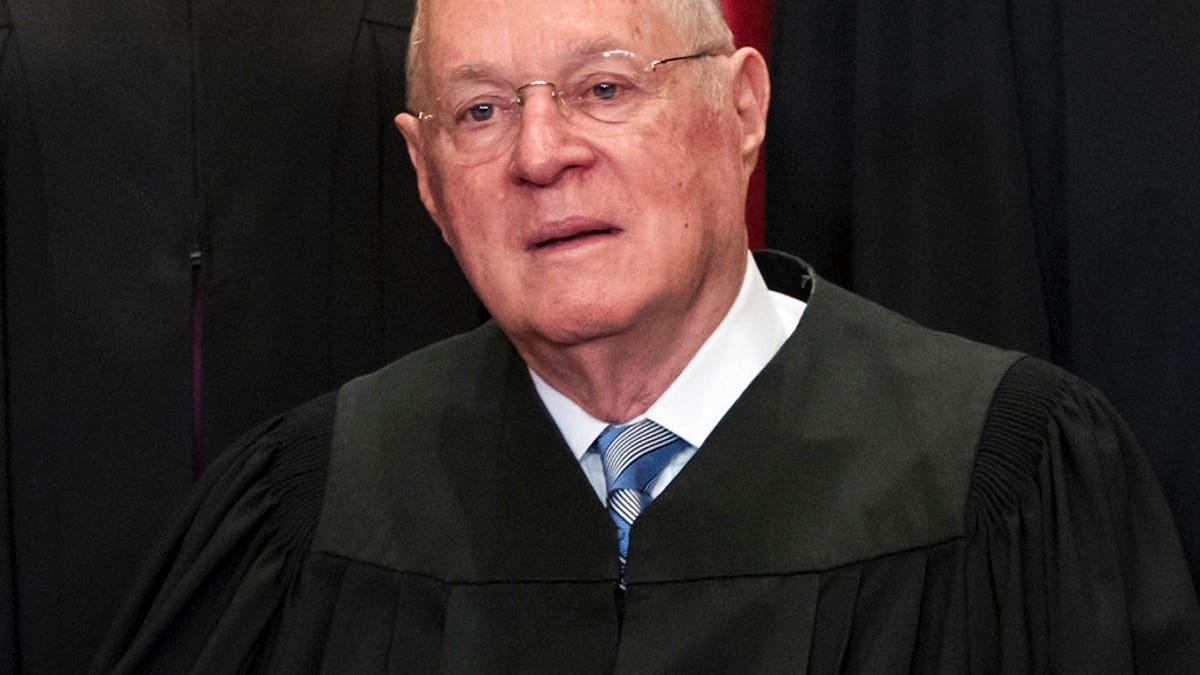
(555, 92)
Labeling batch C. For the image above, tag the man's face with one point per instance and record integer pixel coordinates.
(570, 235)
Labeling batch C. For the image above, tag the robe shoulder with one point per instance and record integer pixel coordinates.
(212, 595)
(1069, 538)
(226, 560)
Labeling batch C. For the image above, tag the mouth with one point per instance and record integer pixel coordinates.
(562, 234)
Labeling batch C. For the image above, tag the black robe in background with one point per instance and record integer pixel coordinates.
(184, 177)
(1020, 173)
(881, 499)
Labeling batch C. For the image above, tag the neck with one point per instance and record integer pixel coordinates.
(618, 377)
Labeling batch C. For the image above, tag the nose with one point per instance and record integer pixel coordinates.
(547, 145)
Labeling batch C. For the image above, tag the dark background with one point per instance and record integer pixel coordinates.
(1023, 173)
(208, 217)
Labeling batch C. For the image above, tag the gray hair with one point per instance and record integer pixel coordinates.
(703, 21)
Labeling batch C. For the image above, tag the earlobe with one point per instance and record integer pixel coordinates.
(410, 128)
(751, 96)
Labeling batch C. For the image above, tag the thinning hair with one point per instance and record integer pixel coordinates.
(701, 21)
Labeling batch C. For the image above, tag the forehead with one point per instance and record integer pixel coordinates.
(528, 35)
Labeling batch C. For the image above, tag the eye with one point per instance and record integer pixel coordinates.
(607, 88)
(481, 112)
(607, 95)
(605, 91)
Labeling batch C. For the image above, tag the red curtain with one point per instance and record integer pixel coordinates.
(750, 21)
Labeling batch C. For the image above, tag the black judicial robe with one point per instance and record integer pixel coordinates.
(207, 217)
(881, 499)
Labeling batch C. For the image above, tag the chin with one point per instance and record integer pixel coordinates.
(578, 325)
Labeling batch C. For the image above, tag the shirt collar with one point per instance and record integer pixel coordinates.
(753, 330)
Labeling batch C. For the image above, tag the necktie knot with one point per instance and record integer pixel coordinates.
(633, 456)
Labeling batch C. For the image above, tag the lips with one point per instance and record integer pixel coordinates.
(563, 232)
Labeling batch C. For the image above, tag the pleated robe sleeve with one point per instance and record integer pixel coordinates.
(1073, 564)
(210, 598)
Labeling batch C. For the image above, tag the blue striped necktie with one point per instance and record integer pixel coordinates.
(633, 456)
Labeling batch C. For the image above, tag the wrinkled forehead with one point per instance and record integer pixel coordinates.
(522, 38)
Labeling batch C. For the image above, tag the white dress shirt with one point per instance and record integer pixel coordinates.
(753, 330)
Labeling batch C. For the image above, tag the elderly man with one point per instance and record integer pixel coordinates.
(649, 462)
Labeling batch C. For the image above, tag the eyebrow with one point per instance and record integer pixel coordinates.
(483, 71)
(604, 43)
(473, 71)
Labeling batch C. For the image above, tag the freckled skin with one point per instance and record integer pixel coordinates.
(608, 320)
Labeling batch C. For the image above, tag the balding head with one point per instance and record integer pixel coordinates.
(702, 22)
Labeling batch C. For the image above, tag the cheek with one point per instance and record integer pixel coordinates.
(694, 145)
(464, 214)
(694, 162)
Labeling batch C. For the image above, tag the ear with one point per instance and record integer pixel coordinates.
(410, 128)
(751, 96)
